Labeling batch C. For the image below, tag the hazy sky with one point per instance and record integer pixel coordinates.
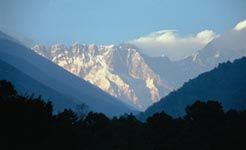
(114, 21)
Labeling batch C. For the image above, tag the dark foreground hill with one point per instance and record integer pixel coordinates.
(226, 83)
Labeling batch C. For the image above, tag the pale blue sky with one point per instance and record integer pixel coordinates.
(114, 21)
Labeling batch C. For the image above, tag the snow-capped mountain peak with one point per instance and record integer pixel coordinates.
(119, 70)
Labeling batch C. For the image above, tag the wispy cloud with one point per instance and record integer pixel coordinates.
(241, 25)
(171, 44)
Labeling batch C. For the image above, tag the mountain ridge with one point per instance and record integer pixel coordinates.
(126, 73)
(228, 89)
(55, 77)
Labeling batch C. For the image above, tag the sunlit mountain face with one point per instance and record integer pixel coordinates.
(119, 70)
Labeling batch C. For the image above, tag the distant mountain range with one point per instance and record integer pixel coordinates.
(226, 84)
(33, 74)
(121, 71)
(139, 80)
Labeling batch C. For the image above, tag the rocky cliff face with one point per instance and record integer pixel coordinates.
(119, 70)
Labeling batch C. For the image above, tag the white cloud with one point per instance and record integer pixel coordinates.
(241, 25)
(171, 44)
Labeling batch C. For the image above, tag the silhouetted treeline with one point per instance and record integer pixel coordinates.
(28, 123)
